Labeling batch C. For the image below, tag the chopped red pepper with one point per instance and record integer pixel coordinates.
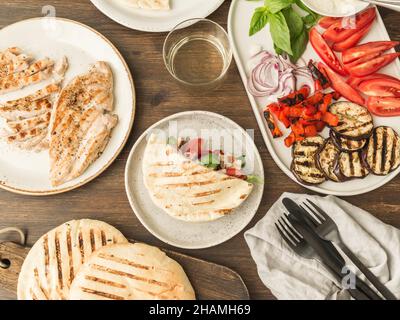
(320, 125)
(290, 139)
(331, 119)
(310, 131)
(295, 97)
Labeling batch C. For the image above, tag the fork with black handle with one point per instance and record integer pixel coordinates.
(293, 233)
(327, 229)
(297, 211)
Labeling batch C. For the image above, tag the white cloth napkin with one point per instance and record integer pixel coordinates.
(290, 276)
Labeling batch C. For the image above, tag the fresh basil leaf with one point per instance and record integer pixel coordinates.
(310, 20)
(274, 6)
(210, 160)
(294, 22)
(299, 45)
(258, 21)
(278, 51)
(280, 32)
(303, 7)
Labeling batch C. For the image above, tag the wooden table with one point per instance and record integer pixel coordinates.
(158, 97)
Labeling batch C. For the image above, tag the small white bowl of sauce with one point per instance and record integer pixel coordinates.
(336, 8)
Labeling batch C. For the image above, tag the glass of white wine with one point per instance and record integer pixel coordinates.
(197, 54)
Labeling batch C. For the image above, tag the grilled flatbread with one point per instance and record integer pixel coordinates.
(304, 165)
(355, 121)
(149, 4)
(187, 190)
(82, 123)
(56, 257)
(131, 272)
(382, 154)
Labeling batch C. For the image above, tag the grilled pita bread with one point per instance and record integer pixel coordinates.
(149, 4)
(187, 190)
(131, 272)
(56, 257)
(82, 123)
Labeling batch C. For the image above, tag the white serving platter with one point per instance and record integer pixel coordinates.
(27, 172)
(239, 18)
(156, 20)
(192, 235)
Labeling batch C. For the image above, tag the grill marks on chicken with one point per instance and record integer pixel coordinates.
(82, 123)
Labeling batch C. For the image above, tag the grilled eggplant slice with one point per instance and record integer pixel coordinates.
(327, 159)
(350, 166)
(304, 165)
(382, 154)
(347, 145)
(355, 121)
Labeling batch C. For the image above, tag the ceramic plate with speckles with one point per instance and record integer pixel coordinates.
(27, 172)
(156, 20)
(194, 235)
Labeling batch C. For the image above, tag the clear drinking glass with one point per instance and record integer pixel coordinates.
(197, 53)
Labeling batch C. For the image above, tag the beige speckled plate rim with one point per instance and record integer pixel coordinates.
(101, 170)
(135, 208)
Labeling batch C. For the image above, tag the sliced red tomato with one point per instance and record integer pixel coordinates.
(353, 40)
(363, 59)
(326, 22)
(193, 148)
(235, 173)
(325, 53)
(384, 106)
(354, 81)
(341, 30)
(380, 88)
(339, 85)
(372, 66)
(360, 51)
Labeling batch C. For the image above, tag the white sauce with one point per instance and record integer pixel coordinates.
(336, 7)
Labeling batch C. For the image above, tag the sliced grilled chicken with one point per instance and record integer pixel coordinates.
(26, 110)
(304, 165)
(12, 60)
(355, 121)
(40, 94)
(382, 154)
(347, 145)
(327, 159)
(38, 71)
(350, 166)
(82, 123)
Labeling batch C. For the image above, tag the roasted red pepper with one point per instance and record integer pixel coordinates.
(272, 125)
(295, 97)
(331, 119)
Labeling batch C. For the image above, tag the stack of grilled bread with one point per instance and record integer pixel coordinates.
(90, 260)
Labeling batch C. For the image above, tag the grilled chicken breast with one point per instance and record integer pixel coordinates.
(187, 190)
(131, 272)
(82, 123)
(382, 154)
(304, 165)
(54, 260)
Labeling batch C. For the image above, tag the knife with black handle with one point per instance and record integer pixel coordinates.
(326, 250)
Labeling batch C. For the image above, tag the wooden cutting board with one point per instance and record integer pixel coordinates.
(210, 281)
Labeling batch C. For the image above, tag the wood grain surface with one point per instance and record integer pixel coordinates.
(158, 97)
(207, 278)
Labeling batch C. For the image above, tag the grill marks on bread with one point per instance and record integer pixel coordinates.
(131, 271)
(57, 256)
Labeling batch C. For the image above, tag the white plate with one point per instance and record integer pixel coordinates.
(240, 15)
(180, 233)
(153, 20)
(345, 9)
(28, 172)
